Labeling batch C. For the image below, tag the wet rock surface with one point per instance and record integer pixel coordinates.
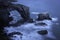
(43, 17)
(43, 32)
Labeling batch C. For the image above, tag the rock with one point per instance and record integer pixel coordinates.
(43, 32)
(44, 17)
(13, 33)
(41, 24)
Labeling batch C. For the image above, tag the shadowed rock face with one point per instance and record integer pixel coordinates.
(6, 7)
(5, 17)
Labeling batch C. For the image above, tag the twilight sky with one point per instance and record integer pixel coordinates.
(51, 6)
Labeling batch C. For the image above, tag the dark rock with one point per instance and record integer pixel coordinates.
(44, 17)
(13, 33)
(43, 32)
(30, 21)
(41, 24)
(5, 19)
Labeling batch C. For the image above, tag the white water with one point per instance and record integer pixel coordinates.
(29, 30)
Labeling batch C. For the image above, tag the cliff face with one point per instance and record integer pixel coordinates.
(5, 16)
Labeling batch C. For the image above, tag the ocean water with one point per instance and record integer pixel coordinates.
(29, 30)
(51, 6)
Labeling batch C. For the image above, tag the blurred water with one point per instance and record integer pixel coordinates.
(51, 6)
(29, 30)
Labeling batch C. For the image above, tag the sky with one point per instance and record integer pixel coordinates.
(51, 6)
